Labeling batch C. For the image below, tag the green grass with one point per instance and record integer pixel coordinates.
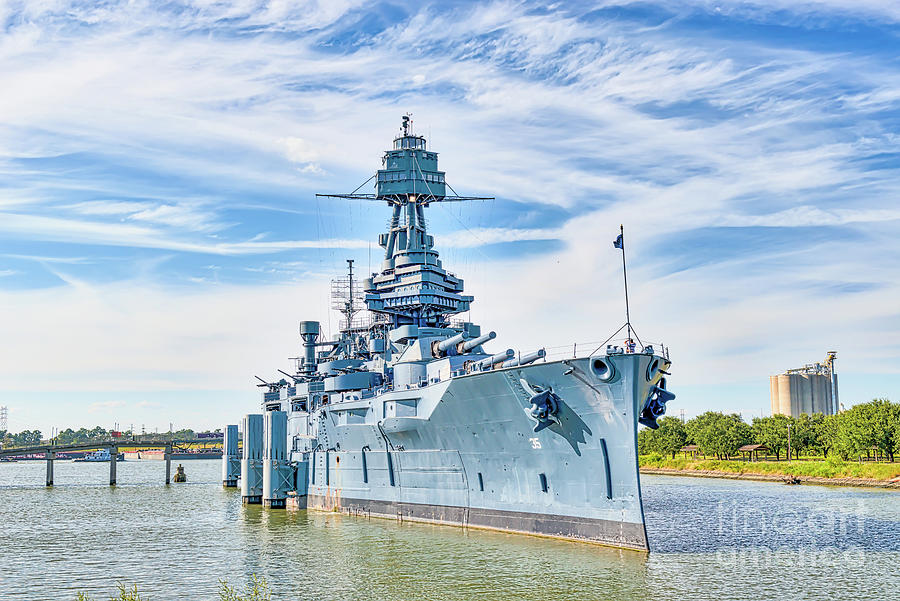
(830, 468)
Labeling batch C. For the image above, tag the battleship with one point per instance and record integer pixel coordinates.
(406, 414)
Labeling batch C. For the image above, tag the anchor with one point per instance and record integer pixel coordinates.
(544, 405)
(655, 406)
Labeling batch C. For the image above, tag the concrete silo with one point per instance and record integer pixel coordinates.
(808, 389)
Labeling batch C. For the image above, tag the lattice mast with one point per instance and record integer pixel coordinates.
(347, 296)
(412, 287)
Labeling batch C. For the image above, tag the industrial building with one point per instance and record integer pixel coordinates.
(808, 389)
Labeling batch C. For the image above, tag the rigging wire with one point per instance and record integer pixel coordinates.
(474, 235)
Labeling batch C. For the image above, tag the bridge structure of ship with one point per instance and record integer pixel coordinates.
(50, 452)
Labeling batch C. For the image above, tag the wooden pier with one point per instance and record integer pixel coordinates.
(50, 450)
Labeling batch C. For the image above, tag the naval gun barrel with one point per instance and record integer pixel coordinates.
(444, 345)
(525, 359)
(476, 342)
(498, 358)
(294, 378)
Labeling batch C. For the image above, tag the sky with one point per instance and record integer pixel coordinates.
(160, 237)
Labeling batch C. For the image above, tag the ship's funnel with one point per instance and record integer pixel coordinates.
(309, 332)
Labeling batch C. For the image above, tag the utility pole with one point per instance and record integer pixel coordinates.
(789, 441)
(4, 418)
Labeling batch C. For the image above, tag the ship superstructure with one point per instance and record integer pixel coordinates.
(407, 414)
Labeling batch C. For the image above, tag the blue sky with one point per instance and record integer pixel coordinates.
(160, 237)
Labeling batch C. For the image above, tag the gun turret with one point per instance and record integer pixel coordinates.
(443, 346)
(476, 342)
(498, 358)
(264, 383)
(525, 359)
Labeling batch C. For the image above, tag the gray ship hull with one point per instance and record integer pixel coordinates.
(406, 415)
(463, 452)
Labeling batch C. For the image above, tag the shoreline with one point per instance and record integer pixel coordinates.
(858, 482)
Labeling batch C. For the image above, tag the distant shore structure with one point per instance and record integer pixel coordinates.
(810, 389)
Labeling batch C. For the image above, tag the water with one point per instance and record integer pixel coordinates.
(711, 539)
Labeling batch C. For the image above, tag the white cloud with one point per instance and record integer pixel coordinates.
(119, 234)
(184, 216)
(804, 216)
(104, 406)
(655, 127)
(299, 150)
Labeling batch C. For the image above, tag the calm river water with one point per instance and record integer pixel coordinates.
(711, 539)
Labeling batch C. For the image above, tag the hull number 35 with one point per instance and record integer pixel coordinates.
(535, 443)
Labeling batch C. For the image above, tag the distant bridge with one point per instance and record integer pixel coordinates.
(50, 450)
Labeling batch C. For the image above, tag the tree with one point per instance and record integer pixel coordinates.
(803, 434)
(719, 434)
(772, 432)
(26, 437)
(828, 435)
(645, 438)
(669, 437)
(868, 425)
(665, 440)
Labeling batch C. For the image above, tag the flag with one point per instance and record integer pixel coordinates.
(618, 243)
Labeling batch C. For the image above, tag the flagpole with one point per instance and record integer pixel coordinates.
(625, 278)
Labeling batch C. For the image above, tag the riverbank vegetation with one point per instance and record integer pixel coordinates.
(868, 430)
(85, 435)
(831, 468)
(256, 590)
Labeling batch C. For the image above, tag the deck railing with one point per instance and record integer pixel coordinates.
(599, 347)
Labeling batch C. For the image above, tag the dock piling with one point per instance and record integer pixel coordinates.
(231, 460)
(277, 472)
(113, 457)
(50, 455)
(251, 463)
(168, 457)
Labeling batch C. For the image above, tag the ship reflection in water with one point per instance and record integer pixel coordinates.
(711, 539)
